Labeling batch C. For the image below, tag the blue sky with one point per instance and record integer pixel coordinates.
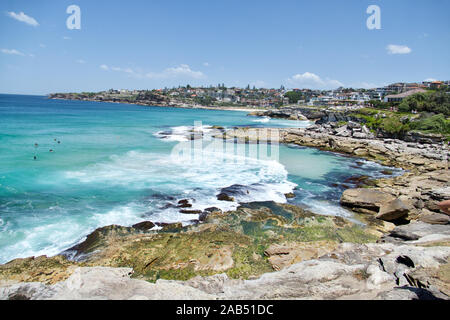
(153, 44)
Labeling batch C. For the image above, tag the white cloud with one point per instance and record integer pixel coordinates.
(22, 17)
(42, 45)
(313, 81)
(183, 70)
(31, 55)
(206, 64)
(398, 49)
(12, 51)
(81, 61)
(66, 38)
(430, 80)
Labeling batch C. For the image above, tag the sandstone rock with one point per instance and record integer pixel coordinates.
(343, 132)
(353, 125)
(350, 271)
(100, 283)
(360, 152)
(417, 230)
(435, 218)
(170, 226)
(360, 135)
(440, 194)
(406, 293)
(281, 256)
(370, 199)
(393, 210)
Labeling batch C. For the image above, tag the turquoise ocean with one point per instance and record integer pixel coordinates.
(113, 164)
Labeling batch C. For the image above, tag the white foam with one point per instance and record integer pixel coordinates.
(202, 180)
(262, 120)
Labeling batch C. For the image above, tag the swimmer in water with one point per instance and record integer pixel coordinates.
(51, 150)
(34, 158)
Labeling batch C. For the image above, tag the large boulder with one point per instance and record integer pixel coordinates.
(368, 199)
(393, 210)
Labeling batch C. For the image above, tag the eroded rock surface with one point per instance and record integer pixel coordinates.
(351, 271)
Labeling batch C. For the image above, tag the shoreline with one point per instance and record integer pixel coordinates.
(181, 106)
(415, 188)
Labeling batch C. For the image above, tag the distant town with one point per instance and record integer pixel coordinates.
(221, 96)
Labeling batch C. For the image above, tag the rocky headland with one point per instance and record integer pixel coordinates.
(399, 250)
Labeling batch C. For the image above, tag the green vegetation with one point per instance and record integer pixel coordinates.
(434, 124)
(435, 102)
(293, 96)
(204, 101)
(397, 124)
(394, 126)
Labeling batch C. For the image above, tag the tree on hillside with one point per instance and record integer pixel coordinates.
(435, 102)
(293, 96)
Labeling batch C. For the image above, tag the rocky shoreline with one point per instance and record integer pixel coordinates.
(274, 251)
(156, 103)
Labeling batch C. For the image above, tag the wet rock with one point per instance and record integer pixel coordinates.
(144, 226)
(289, 195)
(191, 211)
(213, 210)
(184, 204)
(224, 197)
(98, 238)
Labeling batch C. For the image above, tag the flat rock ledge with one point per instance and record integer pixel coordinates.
(352, 271)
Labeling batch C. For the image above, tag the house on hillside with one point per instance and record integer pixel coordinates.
(399, 97)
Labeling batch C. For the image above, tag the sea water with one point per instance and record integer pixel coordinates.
(99, 164)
